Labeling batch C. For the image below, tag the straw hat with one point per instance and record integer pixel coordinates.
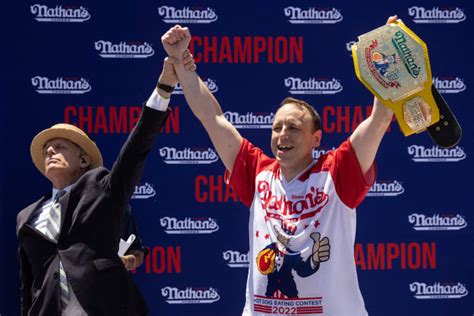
(65, 131)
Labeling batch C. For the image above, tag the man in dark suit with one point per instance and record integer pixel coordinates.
(68, 240)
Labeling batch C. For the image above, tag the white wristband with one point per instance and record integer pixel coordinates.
(157, 102)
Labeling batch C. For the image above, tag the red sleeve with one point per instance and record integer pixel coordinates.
(249, 162)
(350, 182)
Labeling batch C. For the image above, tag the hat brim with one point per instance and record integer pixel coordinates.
(40, 140)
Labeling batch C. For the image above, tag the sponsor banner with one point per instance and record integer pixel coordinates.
(423, 222)
(386, 188)
(173, 225)
(436, 15)
(60, 13)
(438, 290)
(312, 15)
(189, 295)
(188, 156)
(449, 84)
(250, 120)
(313, 85)
(288, 306)
(235, 259)
(187, 15)
(436, 154)
(143, 191)
(60, 85)
(123, 49)
(211, 85)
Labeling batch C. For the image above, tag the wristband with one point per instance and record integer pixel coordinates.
(164, 87)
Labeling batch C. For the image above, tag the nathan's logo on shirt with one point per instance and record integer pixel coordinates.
(313, 86)
(188, 156)
(201, 295)
(436, 15)
(321, 151)
(449, 84)
(59, 13)
(437, 290)
(211, 85)
(436, 154)
(250, 120)
(312, 15)
(386, 188)
(189, 225)
(437, 222)
(60, 85)
(123, 49)
(236, 259)
(349, 46)
(144, 191)
(187, 15)
(278, 206)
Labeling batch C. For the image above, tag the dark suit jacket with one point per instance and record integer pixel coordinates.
(88, 241)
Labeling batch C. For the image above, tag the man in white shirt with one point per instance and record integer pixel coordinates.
(302, 212)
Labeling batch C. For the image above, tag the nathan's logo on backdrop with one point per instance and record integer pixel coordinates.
(436, 15)
(187, 15)
(438, 290)
(436, 154)
(250, 120)
(247, 49)
(349, 45)
(188, 156)
(144, 191)
(449, 84)
(138, 49)
(313, 15)
(321, 151)
(236, 259)
(201, 295)
(313, 86)
(399, 42)
(60, 85)
(211, 85)
(386, 188)
(59, 13)
(437, 222)
(189, 225)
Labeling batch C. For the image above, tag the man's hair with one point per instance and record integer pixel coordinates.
(304, 105)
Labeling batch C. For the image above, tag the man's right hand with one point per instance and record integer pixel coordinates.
(175, 41)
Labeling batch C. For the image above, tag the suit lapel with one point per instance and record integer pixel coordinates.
(27, 213)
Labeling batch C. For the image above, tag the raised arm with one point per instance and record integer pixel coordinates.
(224, 136)
(368, 135)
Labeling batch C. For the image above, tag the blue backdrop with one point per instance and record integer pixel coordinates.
(93, 64)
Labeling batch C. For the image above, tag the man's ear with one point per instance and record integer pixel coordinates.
(317, 136)
(85, 161)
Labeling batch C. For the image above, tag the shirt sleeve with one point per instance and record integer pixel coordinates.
(351, 184)
(250, 160)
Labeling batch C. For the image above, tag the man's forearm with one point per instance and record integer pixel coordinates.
(201, 101)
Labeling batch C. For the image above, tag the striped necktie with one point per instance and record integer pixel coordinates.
(52, 229)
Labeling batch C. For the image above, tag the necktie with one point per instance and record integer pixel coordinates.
(53, 228)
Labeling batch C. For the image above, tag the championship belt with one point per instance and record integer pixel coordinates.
(393, 63)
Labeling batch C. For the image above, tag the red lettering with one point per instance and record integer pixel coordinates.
(100, 121)
(242, 51)
(196, 40)
(161, 260)
(359, 256)
(281, 50)
(296, 49)
(429, 255)
(225, 53)
(376, 259)
(414, 256)
(260, 44)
